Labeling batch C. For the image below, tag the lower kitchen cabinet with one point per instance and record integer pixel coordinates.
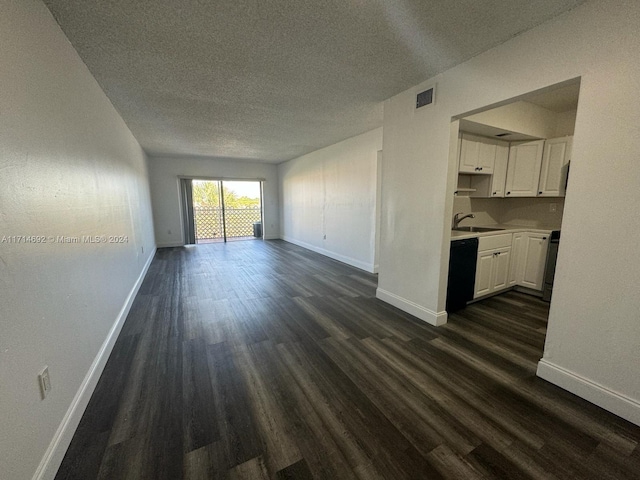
(501, 269)
(529, 258)
(507, 260)
(516, 255)
(492, 269)
(484, 273)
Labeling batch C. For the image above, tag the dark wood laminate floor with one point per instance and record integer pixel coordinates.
(256, 360)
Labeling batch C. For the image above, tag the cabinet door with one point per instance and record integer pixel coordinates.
(500, 170)
(477, 154)
(517, 254)
(484, 273)
(534, 260)
(469, 153)
(523, 170)
(501, 260)
(486, 155)
(555, 164)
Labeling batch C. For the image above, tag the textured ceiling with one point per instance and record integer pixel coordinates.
(272, 80)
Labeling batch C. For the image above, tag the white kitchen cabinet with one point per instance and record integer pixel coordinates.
(499, 176)
(523, 169)
(517, 246)
(487, 186)
(555, 166)
(529, 256)
(477, 154)
(506, 260)
(492, 267)
(533, 261)
(492, 271)
(487, 155)
(484, 273)
(469, 153)
(501, 269)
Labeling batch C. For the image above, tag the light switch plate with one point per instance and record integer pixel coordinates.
(45, 382)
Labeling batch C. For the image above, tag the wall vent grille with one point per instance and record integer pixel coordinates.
(425, 98)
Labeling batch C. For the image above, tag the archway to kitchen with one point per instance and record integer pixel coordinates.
(216, 210)
(513, 175)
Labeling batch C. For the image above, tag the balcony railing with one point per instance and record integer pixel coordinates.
(239, 222)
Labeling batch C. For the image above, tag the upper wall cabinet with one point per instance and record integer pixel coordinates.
(555, 167)
(520, 169)
(499, 177)
(523, 170)
(488, 186)
(477, 154)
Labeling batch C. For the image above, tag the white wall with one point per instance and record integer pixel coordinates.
(69, 166)
(565, 124)
(521, 117)
(165, 193)
(328, 200)
(593, 335)
(527, 118)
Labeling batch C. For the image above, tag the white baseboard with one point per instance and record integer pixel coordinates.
(429, 316)
(271, 237)
(58, 447)
(612, 401)
(367, 267)
(170, 244)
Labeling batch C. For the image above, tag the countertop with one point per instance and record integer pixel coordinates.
(455, 235)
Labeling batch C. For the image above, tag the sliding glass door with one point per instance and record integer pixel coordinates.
(222, 210)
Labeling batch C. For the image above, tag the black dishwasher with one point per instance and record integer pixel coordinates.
(462, 273)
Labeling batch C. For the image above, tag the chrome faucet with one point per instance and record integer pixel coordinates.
(457, 218)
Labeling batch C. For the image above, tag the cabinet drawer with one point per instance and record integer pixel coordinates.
(494, 241)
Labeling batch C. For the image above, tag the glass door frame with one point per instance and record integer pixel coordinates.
(185, 185)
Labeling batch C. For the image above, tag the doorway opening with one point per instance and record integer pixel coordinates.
(511, 200)
(223, 210)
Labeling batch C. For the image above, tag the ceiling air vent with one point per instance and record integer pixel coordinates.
(503, 134)
(424, 98)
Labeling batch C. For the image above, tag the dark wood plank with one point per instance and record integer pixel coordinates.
(232, 404)
(297, 471)
(279, 444)
(311, 435)
(198, 414)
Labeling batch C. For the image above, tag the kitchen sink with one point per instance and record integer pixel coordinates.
(476, 229)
